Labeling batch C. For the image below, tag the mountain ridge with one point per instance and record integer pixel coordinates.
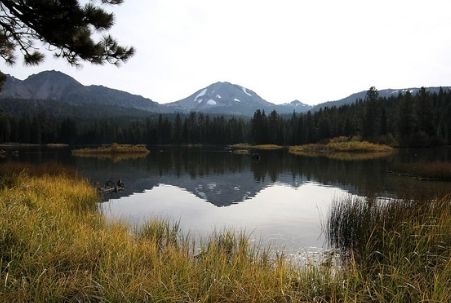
(234, 99)
(57, 86)
(217, 98)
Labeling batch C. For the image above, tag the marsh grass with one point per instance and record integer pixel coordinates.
(56, 247)
(401, 249)
(343, 148)
(11, 170)
(113, 149)
(334, 146)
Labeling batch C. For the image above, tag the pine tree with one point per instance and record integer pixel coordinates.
(66, 27)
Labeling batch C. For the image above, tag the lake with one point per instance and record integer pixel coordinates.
(280, 200)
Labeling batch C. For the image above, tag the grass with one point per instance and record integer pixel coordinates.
(243, 146)
(113, 149)
(56, 247)
(400, 249)
(343, 148)
(426, 170)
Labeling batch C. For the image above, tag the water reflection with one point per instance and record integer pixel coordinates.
(223, 178)
(280, 216)
(281, 199)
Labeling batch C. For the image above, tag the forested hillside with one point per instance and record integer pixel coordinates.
(402, 120)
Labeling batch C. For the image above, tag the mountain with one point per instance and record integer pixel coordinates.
(231, 99)
(293, 106)
(60, 94)
(385, 93)
(50, 88)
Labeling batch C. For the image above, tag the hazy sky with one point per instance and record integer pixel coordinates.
(313, 51)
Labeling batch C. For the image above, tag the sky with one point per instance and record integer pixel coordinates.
(313, 51)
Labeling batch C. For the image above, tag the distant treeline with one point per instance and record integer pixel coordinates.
(404, 120)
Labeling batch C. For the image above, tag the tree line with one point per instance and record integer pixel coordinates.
(401, 120)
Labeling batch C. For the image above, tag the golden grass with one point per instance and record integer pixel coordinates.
(240, 146)
(341, 149)
(56, 247)
(401, 249)
(112, 149)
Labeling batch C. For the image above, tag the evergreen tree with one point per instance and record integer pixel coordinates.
(66, 27)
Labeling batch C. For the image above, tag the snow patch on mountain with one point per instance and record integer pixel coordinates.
(202, 93)
(246, 91)
(228, 98)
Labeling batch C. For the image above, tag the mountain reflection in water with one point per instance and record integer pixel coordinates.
(281, 199)
(223, 178)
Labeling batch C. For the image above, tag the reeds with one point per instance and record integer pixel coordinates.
(56, 247)
(113, 149)
(343, 148)
(401, 249)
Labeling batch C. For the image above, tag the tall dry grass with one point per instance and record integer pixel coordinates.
(56, 247)
(112, 149)
(400, 249)
(343, 148)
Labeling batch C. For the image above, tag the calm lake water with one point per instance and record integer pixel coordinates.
(281, 200)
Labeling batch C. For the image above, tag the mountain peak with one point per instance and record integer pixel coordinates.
(51, 84)
(221, 97)
(53, 75)
(296, 103)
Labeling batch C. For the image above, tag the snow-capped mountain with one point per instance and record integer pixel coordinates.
(59, 88)
(232, 99)
(55, 91)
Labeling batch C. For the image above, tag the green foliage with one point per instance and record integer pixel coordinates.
(403, 120)
(2, 76)
(65, 26)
